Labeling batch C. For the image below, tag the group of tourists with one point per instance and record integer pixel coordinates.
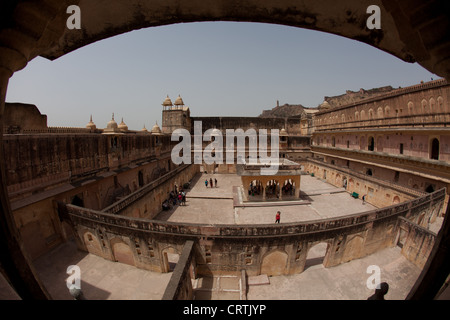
(272, 189)
(289, 189)
(175, 198)
(211, 182)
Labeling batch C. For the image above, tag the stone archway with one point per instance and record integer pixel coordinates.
(316, 254)
(396, 200)
(170, 257)
(255, 190)
(434, 150)
(274, 263)
(122, 252)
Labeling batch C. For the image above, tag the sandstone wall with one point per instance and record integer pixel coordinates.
(277, 249)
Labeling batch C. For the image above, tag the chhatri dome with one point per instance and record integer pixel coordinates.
(122, 126)
(167, 102)
(144, 129)
(156, 129)
(112, 127)
(112, 124)
(179, 101)
(91, 125)
(325, 105)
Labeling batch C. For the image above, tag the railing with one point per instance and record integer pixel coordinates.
(394, 93)
(409, 121)
(123, 203)
(95, 218)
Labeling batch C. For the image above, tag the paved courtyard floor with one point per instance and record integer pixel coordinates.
(320, 201)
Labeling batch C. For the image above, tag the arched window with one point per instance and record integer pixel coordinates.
(424, 106)
(410, 108)
(387, 111)
(432, 105)
(369, 172)
(333, 141)
(370, 114)
(380, 114)
(440, 104)
(357, 116)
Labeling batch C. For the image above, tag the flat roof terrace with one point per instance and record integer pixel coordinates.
(221, 204)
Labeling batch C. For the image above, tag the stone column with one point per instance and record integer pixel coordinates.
(281, 190)
(297, 187)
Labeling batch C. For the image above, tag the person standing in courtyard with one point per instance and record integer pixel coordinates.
(206, 183)
(215, 182)
(364, 199)
(277, 217)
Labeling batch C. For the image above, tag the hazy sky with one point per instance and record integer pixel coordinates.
(218, 68)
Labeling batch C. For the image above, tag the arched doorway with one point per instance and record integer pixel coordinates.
(288, 188)
(274, 263)
(434, 152)
(316, 255)
(77, 201)
(272, 189)
(170, 258)
(371, 144)
(122, 252)
(255, 190)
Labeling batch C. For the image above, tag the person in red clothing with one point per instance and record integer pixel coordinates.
(277, 217)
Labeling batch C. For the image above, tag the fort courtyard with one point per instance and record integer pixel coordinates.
(364, 180)
(106, 280)
(318, 200)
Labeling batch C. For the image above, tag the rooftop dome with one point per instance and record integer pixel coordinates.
(144, 129)
(179, 101)
(167, 102)
(156, 129)
(91, 125)
(325, 105)
(283, 132)
(122, 126)
(112, 124)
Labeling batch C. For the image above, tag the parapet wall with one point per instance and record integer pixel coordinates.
(271, 249)
(417, 242)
